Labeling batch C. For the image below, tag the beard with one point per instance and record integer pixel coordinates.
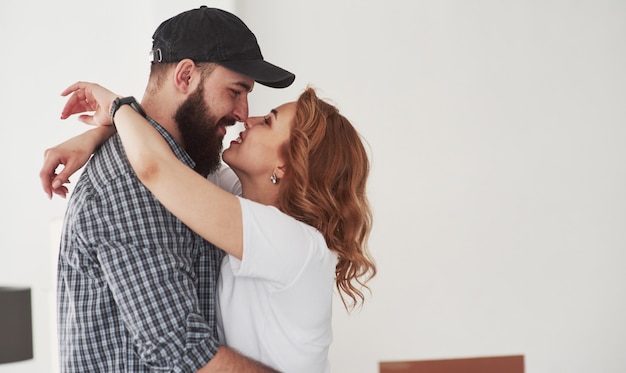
(198, 128)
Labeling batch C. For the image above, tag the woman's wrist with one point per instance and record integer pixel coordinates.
(125, 101)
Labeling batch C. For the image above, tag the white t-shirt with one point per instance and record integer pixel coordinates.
(226, 179)
(275, 305)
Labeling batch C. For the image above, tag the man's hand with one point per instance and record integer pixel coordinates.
(227, 360)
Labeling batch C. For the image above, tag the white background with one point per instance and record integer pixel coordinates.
(496, 130)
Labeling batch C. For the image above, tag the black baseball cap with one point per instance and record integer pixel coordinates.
(214, 35)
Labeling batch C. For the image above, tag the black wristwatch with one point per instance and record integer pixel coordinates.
(130, 100)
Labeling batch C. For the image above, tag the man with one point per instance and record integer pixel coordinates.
(136, 287)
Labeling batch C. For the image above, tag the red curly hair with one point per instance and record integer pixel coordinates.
(324, 187)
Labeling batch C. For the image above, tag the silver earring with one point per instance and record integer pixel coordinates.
(274, 179)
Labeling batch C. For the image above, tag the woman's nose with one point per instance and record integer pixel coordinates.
(252, 121)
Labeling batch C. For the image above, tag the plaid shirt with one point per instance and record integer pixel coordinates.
(136, 287)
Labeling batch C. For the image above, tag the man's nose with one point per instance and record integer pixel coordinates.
(241, 110)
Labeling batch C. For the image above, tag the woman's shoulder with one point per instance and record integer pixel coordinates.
(272, 218)
(280, 230)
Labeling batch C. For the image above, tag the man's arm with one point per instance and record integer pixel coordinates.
(228, 360)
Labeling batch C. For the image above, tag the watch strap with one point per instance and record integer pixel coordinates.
(130, 100)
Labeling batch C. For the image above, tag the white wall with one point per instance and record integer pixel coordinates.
(46, 46)
(496, 132)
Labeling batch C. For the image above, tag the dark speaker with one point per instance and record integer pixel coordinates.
(16, 328)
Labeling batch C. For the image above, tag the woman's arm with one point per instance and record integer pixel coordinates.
(205, 208)
(72, 154)
(202, 206)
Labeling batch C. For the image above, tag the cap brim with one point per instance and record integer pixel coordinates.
(262, 72)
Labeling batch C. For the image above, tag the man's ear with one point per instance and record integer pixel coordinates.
(185, 76)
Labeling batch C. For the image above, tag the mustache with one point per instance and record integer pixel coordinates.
(226, 122)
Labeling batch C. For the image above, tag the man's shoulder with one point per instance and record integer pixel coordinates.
(109, 160)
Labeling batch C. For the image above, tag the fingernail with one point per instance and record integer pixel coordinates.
(56, 184)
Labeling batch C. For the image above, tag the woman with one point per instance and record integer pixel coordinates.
(301, 224)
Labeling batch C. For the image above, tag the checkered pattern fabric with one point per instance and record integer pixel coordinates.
(136, 287)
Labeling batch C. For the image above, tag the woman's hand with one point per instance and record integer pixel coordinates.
(89, 97)
(72, 154)
(75, 152)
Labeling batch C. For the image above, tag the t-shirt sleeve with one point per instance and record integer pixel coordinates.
(276, 247)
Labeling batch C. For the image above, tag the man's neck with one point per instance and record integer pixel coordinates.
(162, 111)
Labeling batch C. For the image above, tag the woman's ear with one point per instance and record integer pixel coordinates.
(183, 73)
(279, 171)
